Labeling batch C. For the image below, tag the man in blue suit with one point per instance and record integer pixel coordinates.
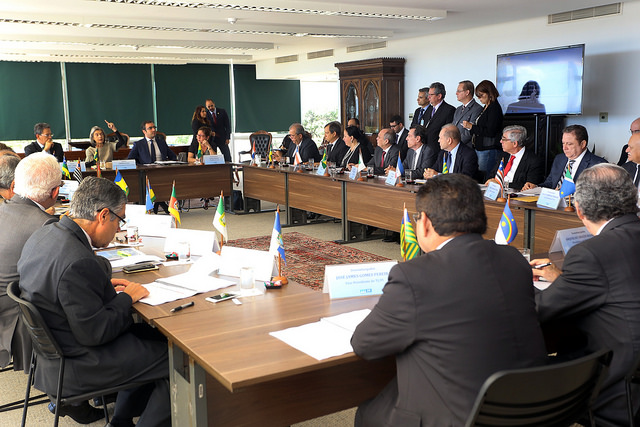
(575, 157)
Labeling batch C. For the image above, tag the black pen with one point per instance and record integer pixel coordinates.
(542, 265)
(180, 307)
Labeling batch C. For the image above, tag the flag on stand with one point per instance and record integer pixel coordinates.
(361, 165)
(219, 221)
(65, 168)
(323, 162)
(199, 153)
(500, 173)
(149, 198)
(96, 158)
(77, 174)
(270, 153)
(507, 229)
(277, 243)
(399, 167)
(409, 247)
(297, 160)
(173, 204)
(253, 152)
(568, 186)
(120, 182)
(445, 167)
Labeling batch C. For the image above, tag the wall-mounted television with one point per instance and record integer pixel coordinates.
(547, 81)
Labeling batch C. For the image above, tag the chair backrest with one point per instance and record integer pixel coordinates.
(551, 395)
(183, 157)
(113, 138)
(43, 342)
(262, 140)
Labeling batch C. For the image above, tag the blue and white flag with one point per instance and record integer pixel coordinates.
(399, 167)
(507, 229)
(277, 244)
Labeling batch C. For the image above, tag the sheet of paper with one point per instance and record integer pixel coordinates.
(159, 293)
(531, 192)
(196, 282)
(541, 284)
(348, 321)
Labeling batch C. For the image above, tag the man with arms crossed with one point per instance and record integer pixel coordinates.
(44, 142)
(450, 322)
(598, 290)
(92, 323)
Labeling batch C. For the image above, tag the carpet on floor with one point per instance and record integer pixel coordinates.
(307, 256)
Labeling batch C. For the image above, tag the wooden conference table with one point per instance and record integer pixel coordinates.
(373, 203)
(226, 370)
(192, 181)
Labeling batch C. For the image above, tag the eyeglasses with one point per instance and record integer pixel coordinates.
(416, 217)
(151, 127)
(47, 135)
(122, 222)
(633, 131)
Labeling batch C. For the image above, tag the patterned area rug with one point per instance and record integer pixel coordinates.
(306, 256)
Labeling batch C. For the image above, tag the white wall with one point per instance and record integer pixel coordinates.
(612, 62)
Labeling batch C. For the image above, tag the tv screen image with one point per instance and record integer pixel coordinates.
(545, 81)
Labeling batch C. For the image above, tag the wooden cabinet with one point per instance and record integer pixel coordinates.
(371, 90)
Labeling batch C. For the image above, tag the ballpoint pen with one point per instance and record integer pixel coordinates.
(542, 265)
(180, 307)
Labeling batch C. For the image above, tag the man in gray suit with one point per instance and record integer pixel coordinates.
(468, 111)
(91, 322)
(451, 322)
(37, 181)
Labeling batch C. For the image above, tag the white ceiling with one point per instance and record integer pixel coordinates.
(191, 31)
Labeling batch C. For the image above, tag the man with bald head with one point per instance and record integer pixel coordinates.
(633, 152)
(386, 153)
(457, 157)
(633, 129)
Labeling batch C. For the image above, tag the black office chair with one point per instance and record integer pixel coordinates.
(262, 141)
(557, 395)
(45, 346)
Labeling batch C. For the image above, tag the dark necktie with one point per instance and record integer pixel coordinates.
(215, 119)
(420, 116)
(433, 111)
(329, 148)
(564, 172)
(382, 162)
(152, 150)
(509, 164)
(636, 179)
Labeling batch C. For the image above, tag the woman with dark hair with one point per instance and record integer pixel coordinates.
(98, 141)
(353, 137)
(487, 129)
(198, 120)
(528, 100)
(203, 139)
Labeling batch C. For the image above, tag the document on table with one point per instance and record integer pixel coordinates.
(127, 256)
(329, 337)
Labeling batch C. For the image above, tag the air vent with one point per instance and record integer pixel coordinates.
(285, 59)
(590, 12)
(320, 54)
(368, 46)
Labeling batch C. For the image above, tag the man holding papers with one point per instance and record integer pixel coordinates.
(77, 298)
(598, 290)
(452, 320)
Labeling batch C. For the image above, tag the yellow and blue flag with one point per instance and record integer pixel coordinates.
(65, 168)
(507, 229)
(120, 182)
(409, 247)
(568, 186)
(445, 167)
(276, 248)
(149, 197)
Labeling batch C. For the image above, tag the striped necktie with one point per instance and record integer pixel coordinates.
(569, 167)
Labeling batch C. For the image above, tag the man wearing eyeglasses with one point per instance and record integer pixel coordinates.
(397, 125)
(36, 184)
(90, 320)
(633, 129)
(44, 142)
(303, 144)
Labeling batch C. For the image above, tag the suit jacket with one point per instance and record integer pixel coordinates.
(220, 125)
(19, 218)
(402, 144)
(140, 151)
(390, 159)
(423, 159)
(560, 162)
(469, 113)
(631, 168)
(488, 128)
(599, 293)
(73, 291)
(308, 150)
(415, 120)
(337, 152)
(451, 324)
(530, 169)
(443, 116)
(466, 161)
(55, 150)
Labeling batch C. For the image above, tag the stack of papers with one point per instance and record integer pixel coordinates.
(329, 337)
(127, 256)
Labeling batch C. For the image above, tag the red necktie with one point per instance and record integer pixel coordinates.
(382, 162)
(509, 164)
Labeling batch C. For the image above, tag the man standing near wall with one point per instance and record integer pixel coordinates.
(221, 127)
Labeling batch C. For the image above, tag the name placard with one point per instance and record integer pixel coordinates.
(213, 159)
(356, 280)
(123, 164)
(493, 191)
(566, 239)
(549, 198)
(391, 178)
(320, 170)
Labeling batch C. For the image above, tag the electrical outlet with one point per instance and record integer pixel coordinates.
(604, 117)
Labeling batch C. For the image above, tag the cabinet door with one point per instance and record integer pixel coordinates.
(371, 106)
(351, 100)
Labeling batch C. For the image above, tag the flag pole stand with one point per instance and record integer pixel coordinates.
(280, 277)
(326, 171)
(570, 207)
(501, 199)
(360, 177)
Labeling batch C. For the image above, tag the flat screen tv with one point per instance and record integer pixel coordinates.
(545, 81)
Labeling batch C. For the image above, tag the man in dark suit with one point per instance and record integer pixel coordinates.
(78, 300)
(303, 143)
(336, 148)
(418, 154)
(468, 111)
(419, 117)
(633, 153)
(385, 155)
(221, 127)
(458, 157)
(397, 125)
(633, 128)
(19, 218)
(576, 157)
(447, 320)
(44, 142)
(520, 165)
(598, 290)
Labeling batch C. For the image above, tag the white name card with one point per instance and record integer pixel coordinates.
(566, 239)
(123, 164)
(213, 159)
(493, 191)
(353, 173)
(233, 259)
(320, 170)
(549, 198)
(356, 280)
(391, 178)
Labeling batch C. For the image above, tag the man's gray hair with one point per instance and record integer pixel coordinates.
(95, 194)
(297, 128)
(606, 191)
(517, 134)
(390, 136)
(36, 175)
(438, 89)
(40, 127)
(8, 164)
